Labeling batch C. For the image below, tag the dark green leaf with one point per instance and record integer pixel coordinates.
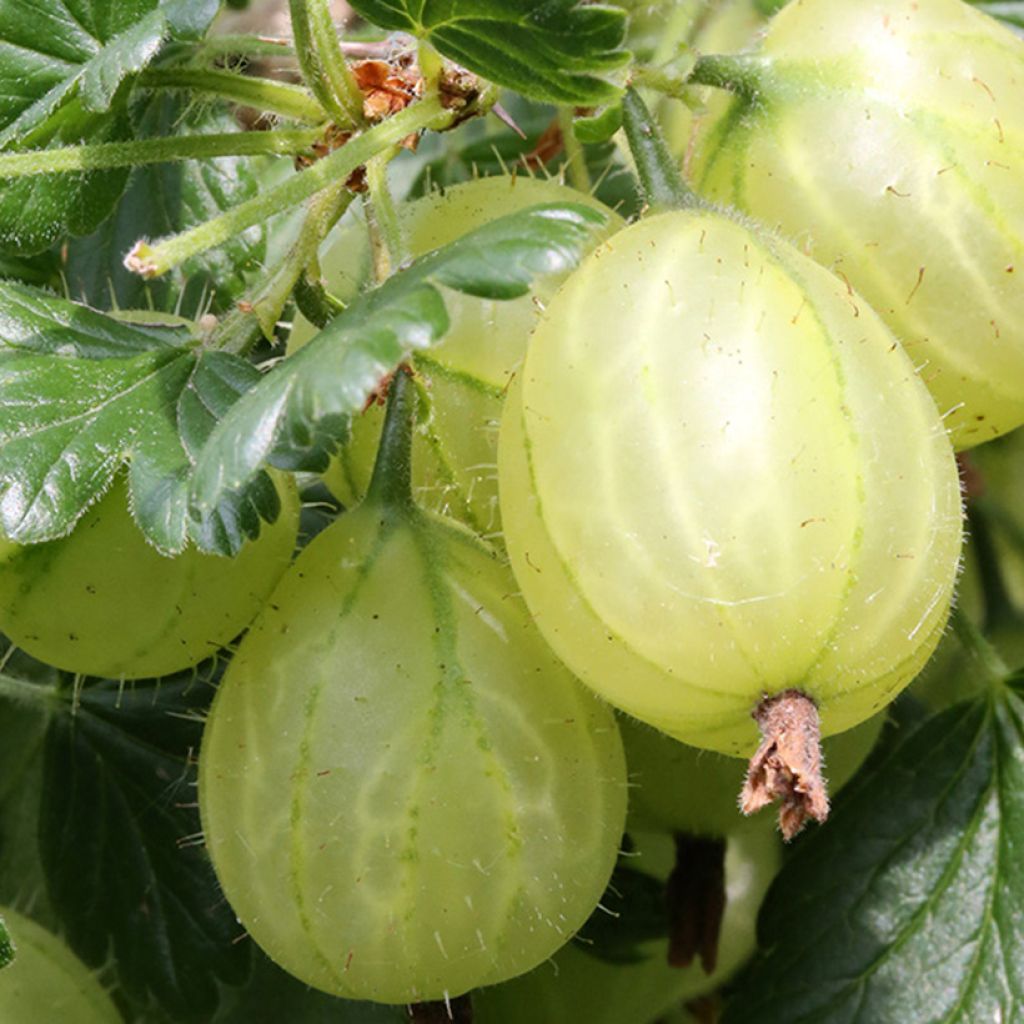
(907, 907)
(23, 729)
(299, 412)
(164, 199)
(37, 323)
(36, 211)
(120, 844)
(61, 67)
(272, 995)
(41, 269)
(555, 50)
(23, 725)
(6, 946)
(633, 911)
(54, 50)
(81, 393)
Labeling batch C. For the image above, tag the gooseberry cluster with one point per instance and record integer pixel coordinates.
(707, 478)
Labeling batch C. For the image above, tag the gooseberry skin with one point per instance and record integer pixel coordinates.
(47, 982)
(465, 377)
(887, 138)
(404, 794)
(721, 478)
(103, 601)
(576, 986)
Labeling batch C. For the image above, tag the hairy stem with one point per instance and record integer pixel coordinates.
(391, 483)
(313, 67)
(261, 93)
(324, 211)
(382, 218)
(336, 71)
(246, 45)
(151, 261)
(662, 184)
(104, 155)
(575, 158)
(743, 75)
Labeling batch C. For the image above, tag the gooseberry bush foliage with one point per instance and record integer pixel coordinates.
(413, 427)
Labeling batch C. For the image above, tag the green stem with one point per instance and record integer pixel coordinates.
(668, 84)
(246, 45)
(430, 63)
(981, 651)
(382, 218)
(660, 181)
(339, 76)
(324, 210)
(151, 261)
(105, 155)
(575, 157)
(743, 75)
(391, 483)
(260, 93)
(311, 65)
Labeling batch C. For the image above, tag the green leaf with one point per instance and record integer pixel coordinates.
(633, 911)
(61, 67)
(555, 50)
(33, 322)
(907, 907)
(165, 199)
(23, 724)
(273, 995)
(54, 50)
(120, 843)
(81, 393)
(299, 412)
(35, 212)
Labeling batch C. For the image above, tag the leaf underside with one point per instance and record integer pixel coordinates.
(559, 51)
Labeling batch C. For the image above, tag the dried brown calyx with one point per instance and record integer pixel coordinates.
(787, 765)
(388, 86)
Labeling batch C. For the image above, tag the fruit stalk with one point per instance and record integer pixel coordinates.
(662, 186)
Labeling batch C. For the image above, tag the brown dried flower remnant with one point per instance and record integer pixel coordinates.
(787, 765)
(388, 87)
